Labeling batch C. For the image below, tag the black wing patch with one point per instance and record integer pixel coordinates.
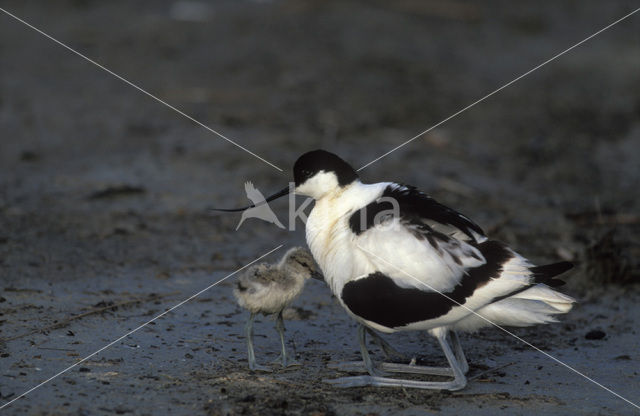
(377, 298)
(414, 206)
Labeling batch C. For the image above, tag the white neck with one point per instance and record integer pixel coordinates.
(328, 233)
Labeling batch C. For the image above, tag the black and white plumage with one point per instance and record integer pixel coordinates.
(398, 260)
(268, 289)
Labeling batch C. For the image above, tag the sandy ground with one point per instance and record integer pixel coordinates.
(104, 194)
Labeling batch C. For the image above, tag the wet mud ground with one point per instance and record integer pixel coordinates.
(104, 194)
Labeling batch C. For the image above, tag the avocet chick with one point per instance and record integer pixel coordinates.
(268, 289)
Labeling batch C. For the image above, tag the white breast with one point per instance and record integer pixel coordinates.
(330, 238)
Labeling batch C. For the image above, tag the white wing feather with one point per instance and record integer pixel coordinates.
(398, 251)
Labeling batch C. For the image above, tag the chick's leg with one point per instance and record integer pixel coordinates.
(283, 354)
(253, 366)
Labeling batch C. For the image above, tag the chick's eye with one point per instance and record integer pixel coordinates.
(306, 172)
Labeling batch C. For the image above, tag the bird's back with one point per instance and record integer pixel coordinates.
(266, 289)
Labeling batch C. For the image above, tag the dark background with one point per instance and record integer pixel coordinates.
(104, 191)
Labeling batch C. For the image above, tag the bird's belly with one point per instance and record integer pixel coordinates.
(331, 244)
(270, 299)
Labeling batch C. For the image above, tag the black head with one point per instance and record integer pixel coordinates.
(310, 163)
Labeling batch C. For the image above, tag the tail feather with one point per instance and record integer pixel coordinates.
(545, 274)
(536, 305)
(542, 293)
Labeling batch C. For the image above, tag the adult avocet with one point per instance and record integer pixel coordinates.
(398, 260)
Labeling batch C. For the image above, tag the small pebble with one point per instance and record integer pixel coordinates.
(595, 334)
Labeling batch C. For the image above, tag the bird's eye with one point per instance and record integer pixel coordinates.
(306, 172)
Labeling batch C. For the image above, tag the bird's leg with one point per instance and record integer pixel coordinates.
(253, 366)
(457, 348)
(412, 368)
(457, 383)
(358, 366)
(283, 354)
(436, 371)
(366, 359)
(388, 350)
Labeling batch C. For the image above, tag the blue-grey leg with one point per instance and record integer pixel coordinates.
(253, 366)
(457, 383)
(388, 350)
(366, 359)
(457, 348)
(283, 353)
(358, 366)
(412, 368)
